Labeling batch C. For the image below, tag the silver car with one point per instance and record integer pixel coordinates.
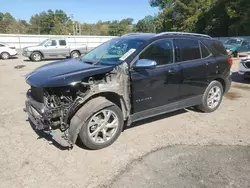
(244, 68)
(53, 48)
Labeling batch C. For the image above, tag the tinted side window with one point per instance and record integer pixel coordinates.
(53, 43)
(218, 46)
(62, 42)
(204, 51)
(244, 43)
(187, 50)
(160, 51)
(1, 45)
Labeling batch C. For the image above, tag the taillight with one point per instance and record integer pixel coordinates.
(12, 47)
(230, 61)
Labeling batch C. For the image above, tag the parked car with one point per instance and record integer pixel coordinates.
(94, 96)
(54, 47)
(7, 51)
(236, 45)
(244, 68)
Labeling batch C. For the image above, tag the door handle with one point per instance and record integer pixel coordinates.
(173, 70)
(208, 63)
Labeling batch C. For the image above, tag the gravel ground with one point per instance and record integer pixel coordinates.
(30, 161)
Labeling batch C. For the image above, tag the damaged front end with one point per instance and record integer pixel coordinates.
(51, 108)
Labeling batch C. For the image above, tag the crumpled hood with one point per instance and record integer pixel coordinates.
(63, 73)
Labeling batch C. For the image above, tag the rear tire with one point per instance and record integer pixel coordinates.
(212, 97)
(75, 54)
(36, 56)
(5, 55)
(103, 124)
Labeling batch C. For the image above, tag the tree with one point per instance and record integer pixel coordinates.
(50, 22)
(213, 17)
(118, 28)
(147, 24)
(5, 21)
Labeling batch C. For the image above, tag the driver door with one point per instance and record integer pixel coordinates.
(152, 88)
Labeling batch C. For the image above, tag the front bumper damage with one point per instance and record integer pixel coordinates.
(55, 120)
(39, 117)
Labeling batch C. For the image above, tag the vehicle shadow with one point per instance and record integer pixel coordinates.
(236, 77)
(43, 135)
(156, 118)
(10, 58)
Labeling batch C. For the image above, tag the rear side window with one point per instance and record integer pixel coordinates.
(62, 42)
(204, 51)
(218, 46)
(244, 43)
(187, 50)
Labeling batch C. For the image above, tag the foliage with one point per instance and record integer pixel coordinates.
(213, 17)
(147, 25)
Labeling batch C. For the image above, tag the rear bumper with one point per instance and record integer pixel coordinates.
(13, 55)
(246, 74)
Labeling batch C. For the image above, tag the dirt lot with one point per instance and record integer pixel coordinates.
(28, 161)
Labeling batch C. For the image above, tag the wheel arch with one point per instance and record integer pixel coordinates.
(223, 83)
(75, 50)
(110, 96)
(37, 51)
(77, 122)
(3, 53)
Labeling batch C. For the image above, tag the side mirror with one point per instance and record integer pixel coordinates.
(145, 64)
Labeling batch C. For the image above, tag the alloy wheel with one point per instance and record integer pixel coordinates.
(103, 126)
(5, 56)
(214, 97)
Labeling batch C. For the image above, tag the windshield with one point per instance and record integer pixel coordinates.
(113, 52)
(42, 43)
(234, 42)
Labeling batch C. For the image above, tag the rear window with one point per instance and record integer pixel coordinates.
(62, 42)
(187, 50)
(204, 51)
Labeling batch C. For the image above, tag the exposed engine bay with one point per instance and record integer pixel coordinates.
(59, 104)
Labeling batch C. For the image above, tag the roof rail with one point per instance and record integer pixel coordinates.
(128, 34)
(184, 33)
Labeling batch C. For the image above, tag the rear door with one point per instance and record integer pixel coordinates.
(196, 63)
(156, 87)
(63, 48)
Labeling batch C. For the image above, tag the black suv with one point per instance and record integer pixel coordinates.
(124, 80)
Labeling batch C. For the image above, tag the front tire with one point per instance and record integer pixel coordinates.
(103, 126)
(5, 55)
(212, 97)
(36, 56)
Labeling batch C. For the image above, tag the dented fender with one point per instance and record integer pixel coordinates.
(118, 83)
